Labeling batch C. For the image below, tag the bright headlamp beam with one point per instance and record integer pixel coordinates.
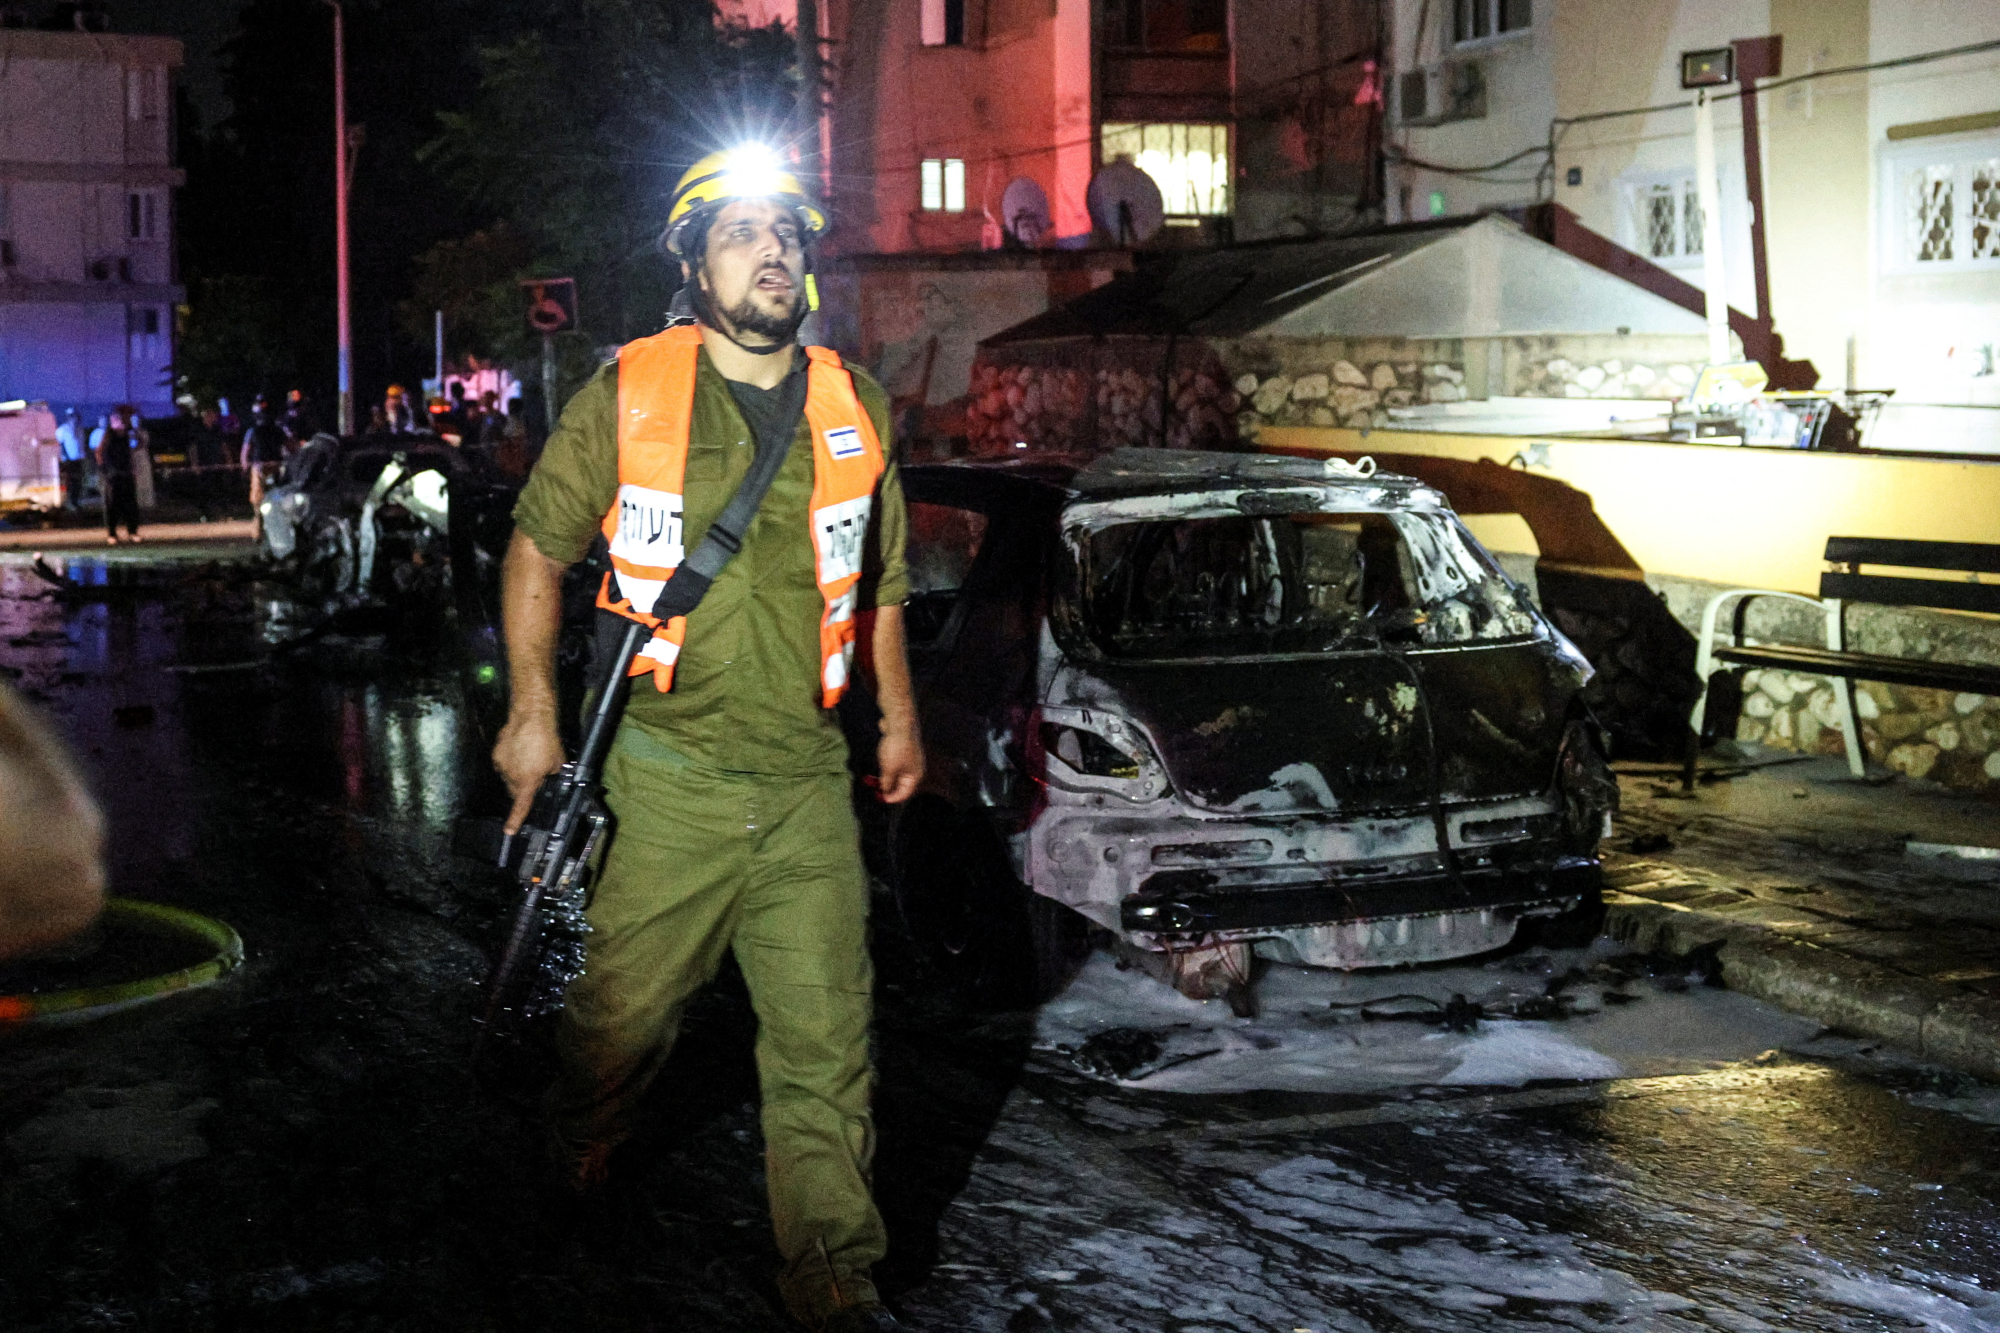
(753, 170)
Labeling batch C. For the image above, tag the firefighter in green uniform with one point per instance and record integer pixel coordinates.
(728, 777)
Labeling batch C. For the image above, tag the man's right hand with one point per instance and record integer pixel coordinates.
(529, 749)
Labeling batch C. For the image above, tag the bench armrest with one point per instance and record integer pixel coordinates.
(1706, 662)
(1836, 641)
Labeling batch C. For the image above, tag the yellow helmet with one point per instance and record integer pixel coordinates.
(752, 171)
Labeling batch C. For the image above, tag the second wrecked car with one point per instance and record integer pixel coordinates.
(1228, 706)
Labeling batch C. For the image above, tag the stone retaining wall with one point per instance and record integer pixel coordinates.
(1084, 395)
(1355, 382)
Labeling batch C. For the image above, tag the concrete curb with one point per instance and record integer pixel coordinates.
(87, 539)
(1939, 1022)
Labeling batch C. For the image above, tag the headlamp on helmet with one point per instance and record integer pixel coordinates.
(748, 171)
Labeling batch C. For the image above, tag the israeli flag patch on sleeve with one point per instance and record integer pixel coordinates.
(844, 442)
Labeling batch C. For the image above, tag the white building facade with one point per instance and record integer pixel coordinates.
(1881, 187)
(87, 268)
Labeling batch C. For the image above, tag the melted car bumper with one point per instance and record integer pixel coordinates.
(1321, 890)
(1197, 903)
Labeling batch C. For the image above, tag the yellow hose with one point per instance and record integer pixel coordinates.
(97, 1001)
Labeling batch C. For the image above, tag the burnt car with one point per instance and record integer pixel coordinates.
(360, 515)
(1230, 707)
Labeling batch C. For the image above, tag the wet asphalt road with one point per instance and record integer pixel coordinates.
(306, 1148)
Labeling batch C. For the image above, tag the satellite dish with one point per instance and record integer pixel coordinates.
(1024, 212)
(1126, 202)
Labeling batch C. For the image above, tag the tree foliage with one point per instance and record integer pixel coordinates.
(504, 139)
(583, 121)
(256, 215)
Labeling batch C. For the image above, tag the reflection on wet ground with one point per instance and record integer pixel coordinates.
(306, 1148)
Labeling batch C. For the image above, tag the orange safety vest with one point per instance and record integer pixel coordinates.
(655, 413)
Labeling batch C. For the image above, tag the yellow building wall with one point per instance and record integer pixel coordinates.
(1817, 167)
(1752, 517)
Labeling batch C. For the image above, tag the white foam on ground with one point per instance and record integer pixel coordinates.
(1298, 1043)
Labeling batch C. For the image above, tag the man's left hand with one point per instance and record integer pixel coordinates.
(899, 758)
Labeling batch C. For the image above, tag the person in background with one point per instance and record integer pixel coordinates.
(298, 419)
(378, 420)
(206, 448)
(396, 408)
(142, 460)
(69, 435)
(51, 837)
(492, 421)
(459, 417)
(471, 415)
(262, 457)
(113, 447)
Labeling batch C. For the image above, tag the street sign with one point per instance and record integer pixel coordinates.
(551, 304)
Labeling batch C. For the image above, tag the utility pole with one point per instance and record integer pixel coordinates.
(549, 380)
(1709, 190)
(340, 161)
(551, 309)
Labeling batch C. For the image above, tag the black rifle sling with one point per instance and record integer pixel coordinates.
(685, 587)
(689, 582)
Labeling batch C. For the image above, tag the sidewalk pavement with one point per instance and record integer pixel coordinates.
(1823, 894)
(84, 538)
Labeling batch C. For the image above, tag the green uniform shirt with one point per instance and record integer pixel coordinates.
(746, 695)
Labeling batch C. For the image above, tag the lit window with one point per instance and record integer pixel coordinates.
(943, 23)
(1476, 20)
(943, 180)
(142, 215)
(1190, 163)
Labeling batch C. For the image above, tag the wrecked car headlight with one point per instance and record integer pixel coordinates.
(1092, 751)
(1088, 752)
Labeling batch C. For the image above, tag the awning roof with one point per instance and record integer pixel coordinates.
(1480, 278)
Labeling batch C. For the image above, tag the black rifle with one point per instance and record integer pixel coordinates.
(550, 855)
(550, 858)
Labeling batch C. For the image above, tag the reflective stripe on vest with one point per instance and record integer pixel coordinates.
(645, 524)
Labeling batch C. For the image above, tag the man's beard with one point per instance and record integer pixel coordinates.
(751, 321)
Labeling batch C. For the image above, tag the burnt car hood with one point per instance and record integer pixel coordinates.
(1342, 733)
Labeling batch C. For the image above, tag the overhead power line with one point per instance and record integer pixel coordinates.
(1561, 123)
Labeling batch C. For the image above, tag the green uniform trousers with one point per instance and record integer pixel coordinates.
(769, 867)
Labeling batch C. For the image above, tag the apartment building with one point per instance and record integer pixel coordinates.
(942, 117)
(1881, 188)
(87, 290)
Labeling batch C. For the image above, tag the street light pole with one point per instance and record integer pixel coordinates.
(340, 155)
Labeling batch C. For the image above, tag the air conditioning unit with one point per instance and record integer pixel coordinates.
(1441, 93)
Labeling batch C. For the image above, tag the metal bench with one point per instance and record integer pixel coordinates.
(1838, 587)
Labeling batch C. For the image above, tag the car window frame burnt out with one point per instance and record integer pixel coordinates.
(1439, 563)
(1010, 559)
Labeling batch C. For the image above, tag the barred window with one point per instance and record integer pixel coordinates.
(1942, 206)
(1667, 219)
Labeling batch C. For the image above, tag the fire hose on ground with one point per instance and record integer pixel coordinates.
(89, 1002)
